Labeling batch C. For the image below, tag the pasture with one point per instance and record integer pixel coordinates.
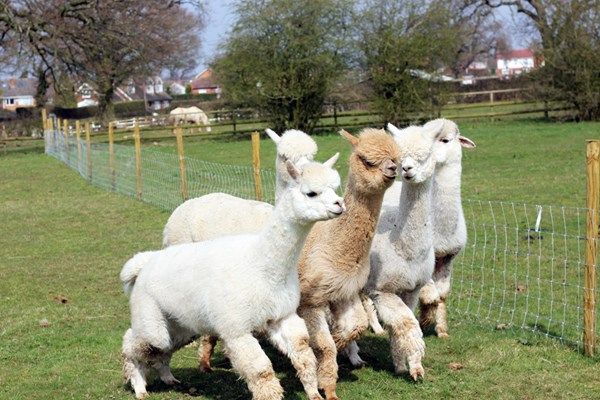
(63, 243)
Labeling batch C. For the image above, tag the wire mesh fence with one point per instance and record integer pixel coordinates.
(523, 267)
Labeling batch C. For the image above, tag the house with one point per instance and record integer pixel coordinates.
(151, 91)
(86, 96)
(17, 93)
(175, 88)
(205, 83)
(515, 62)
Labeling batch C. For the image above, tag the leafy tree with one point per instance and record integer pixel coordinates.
(404, 45)
(569, 45)
(282, 57)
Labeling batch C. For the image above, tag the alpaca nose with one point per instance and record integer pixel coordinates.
(392, 167)
(406, 168)
(340, 204)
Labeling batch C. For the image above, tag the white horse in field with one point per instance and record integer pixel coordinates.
(189, 115)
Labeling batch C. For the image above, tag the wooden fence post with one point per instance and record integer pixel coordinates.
(256, 165)
(591, 246)
(182, 167)
(66, 135)
(78, 141)
(111, 156)
(138, 159)
(88, 142)
(44, 119)
(335, 116)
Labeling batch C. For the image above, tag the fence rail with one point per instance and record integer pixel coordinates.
(526, 267)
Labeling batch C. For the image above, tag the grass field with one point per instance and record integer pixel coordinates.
(63, 243)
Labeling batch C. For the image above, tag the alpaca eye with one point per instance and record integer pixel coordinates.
(367, 162)
(311, 194)
(445, 140)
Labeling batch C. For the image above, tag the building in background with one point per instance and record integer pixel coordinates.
(151, 91)
(515, 62)
(205, 83)
(17, 93)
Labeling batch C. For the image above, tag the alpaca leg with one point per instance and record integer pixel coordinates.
(442, 276)
(134, 371)
(290, 336)
(205, 352)
(251, 362)
(324, 348)
(351, 351)
(349, 321)
(428, 300)
(372, 314)
(441, 322)
(406, 338)
(164, 371)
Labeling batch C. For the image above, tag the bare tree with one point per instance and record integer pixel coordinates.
(103, 42)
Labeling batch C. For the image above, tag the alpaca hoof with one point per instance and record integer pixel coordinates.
(141, 395)
(171, 381)
(443, 335)
(379, 331)
(316, 397)
(205, 368)
(356, 361)
(330, 394)
(417, 372)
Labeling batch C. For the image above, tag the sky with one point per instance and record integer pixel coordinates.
(220, 19)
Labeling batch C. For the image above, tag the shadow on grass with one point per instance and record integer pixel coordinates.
(224, 383)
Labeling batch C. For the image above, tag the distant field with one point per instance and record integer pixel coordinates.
(63, 243)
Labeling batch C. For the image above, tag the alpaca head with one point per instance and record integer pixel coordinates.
(312, 188)
(295, 146)
(373, 161)
(448, 148)
(417, 142)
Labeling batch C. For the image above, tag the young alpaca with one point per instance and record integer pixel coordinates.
(202, 218)
(449, 228)
(231, 287)
(334, 265)
(402, 252)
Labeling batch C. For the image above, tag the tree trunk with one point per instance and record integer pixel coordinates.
(105, 104)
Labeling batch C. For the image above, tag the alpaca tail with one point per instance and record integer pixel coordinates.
(132, 268)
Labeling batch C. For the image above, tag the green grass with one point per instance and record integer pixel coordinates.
(62, 238)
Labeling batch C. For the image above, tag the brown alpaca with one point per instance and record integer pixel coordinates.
(334, 264)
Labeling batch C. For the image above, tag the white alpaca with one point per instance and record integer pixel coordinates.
(449, 228)
(231, 287)
(193, 115)
(218, 214)
(402, 255)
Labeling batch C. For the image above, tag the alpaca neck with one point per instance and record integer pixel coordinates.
(281, 241)
(279, 187)
(357, 224)
(412, 232)
(446, 192)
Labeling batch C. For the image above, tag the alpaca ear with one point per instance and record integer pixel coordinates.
(274, 136)
(393, 130)
(349, 137)
(434, 129)
(330, 163)
(466, 142)
(293, 171)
